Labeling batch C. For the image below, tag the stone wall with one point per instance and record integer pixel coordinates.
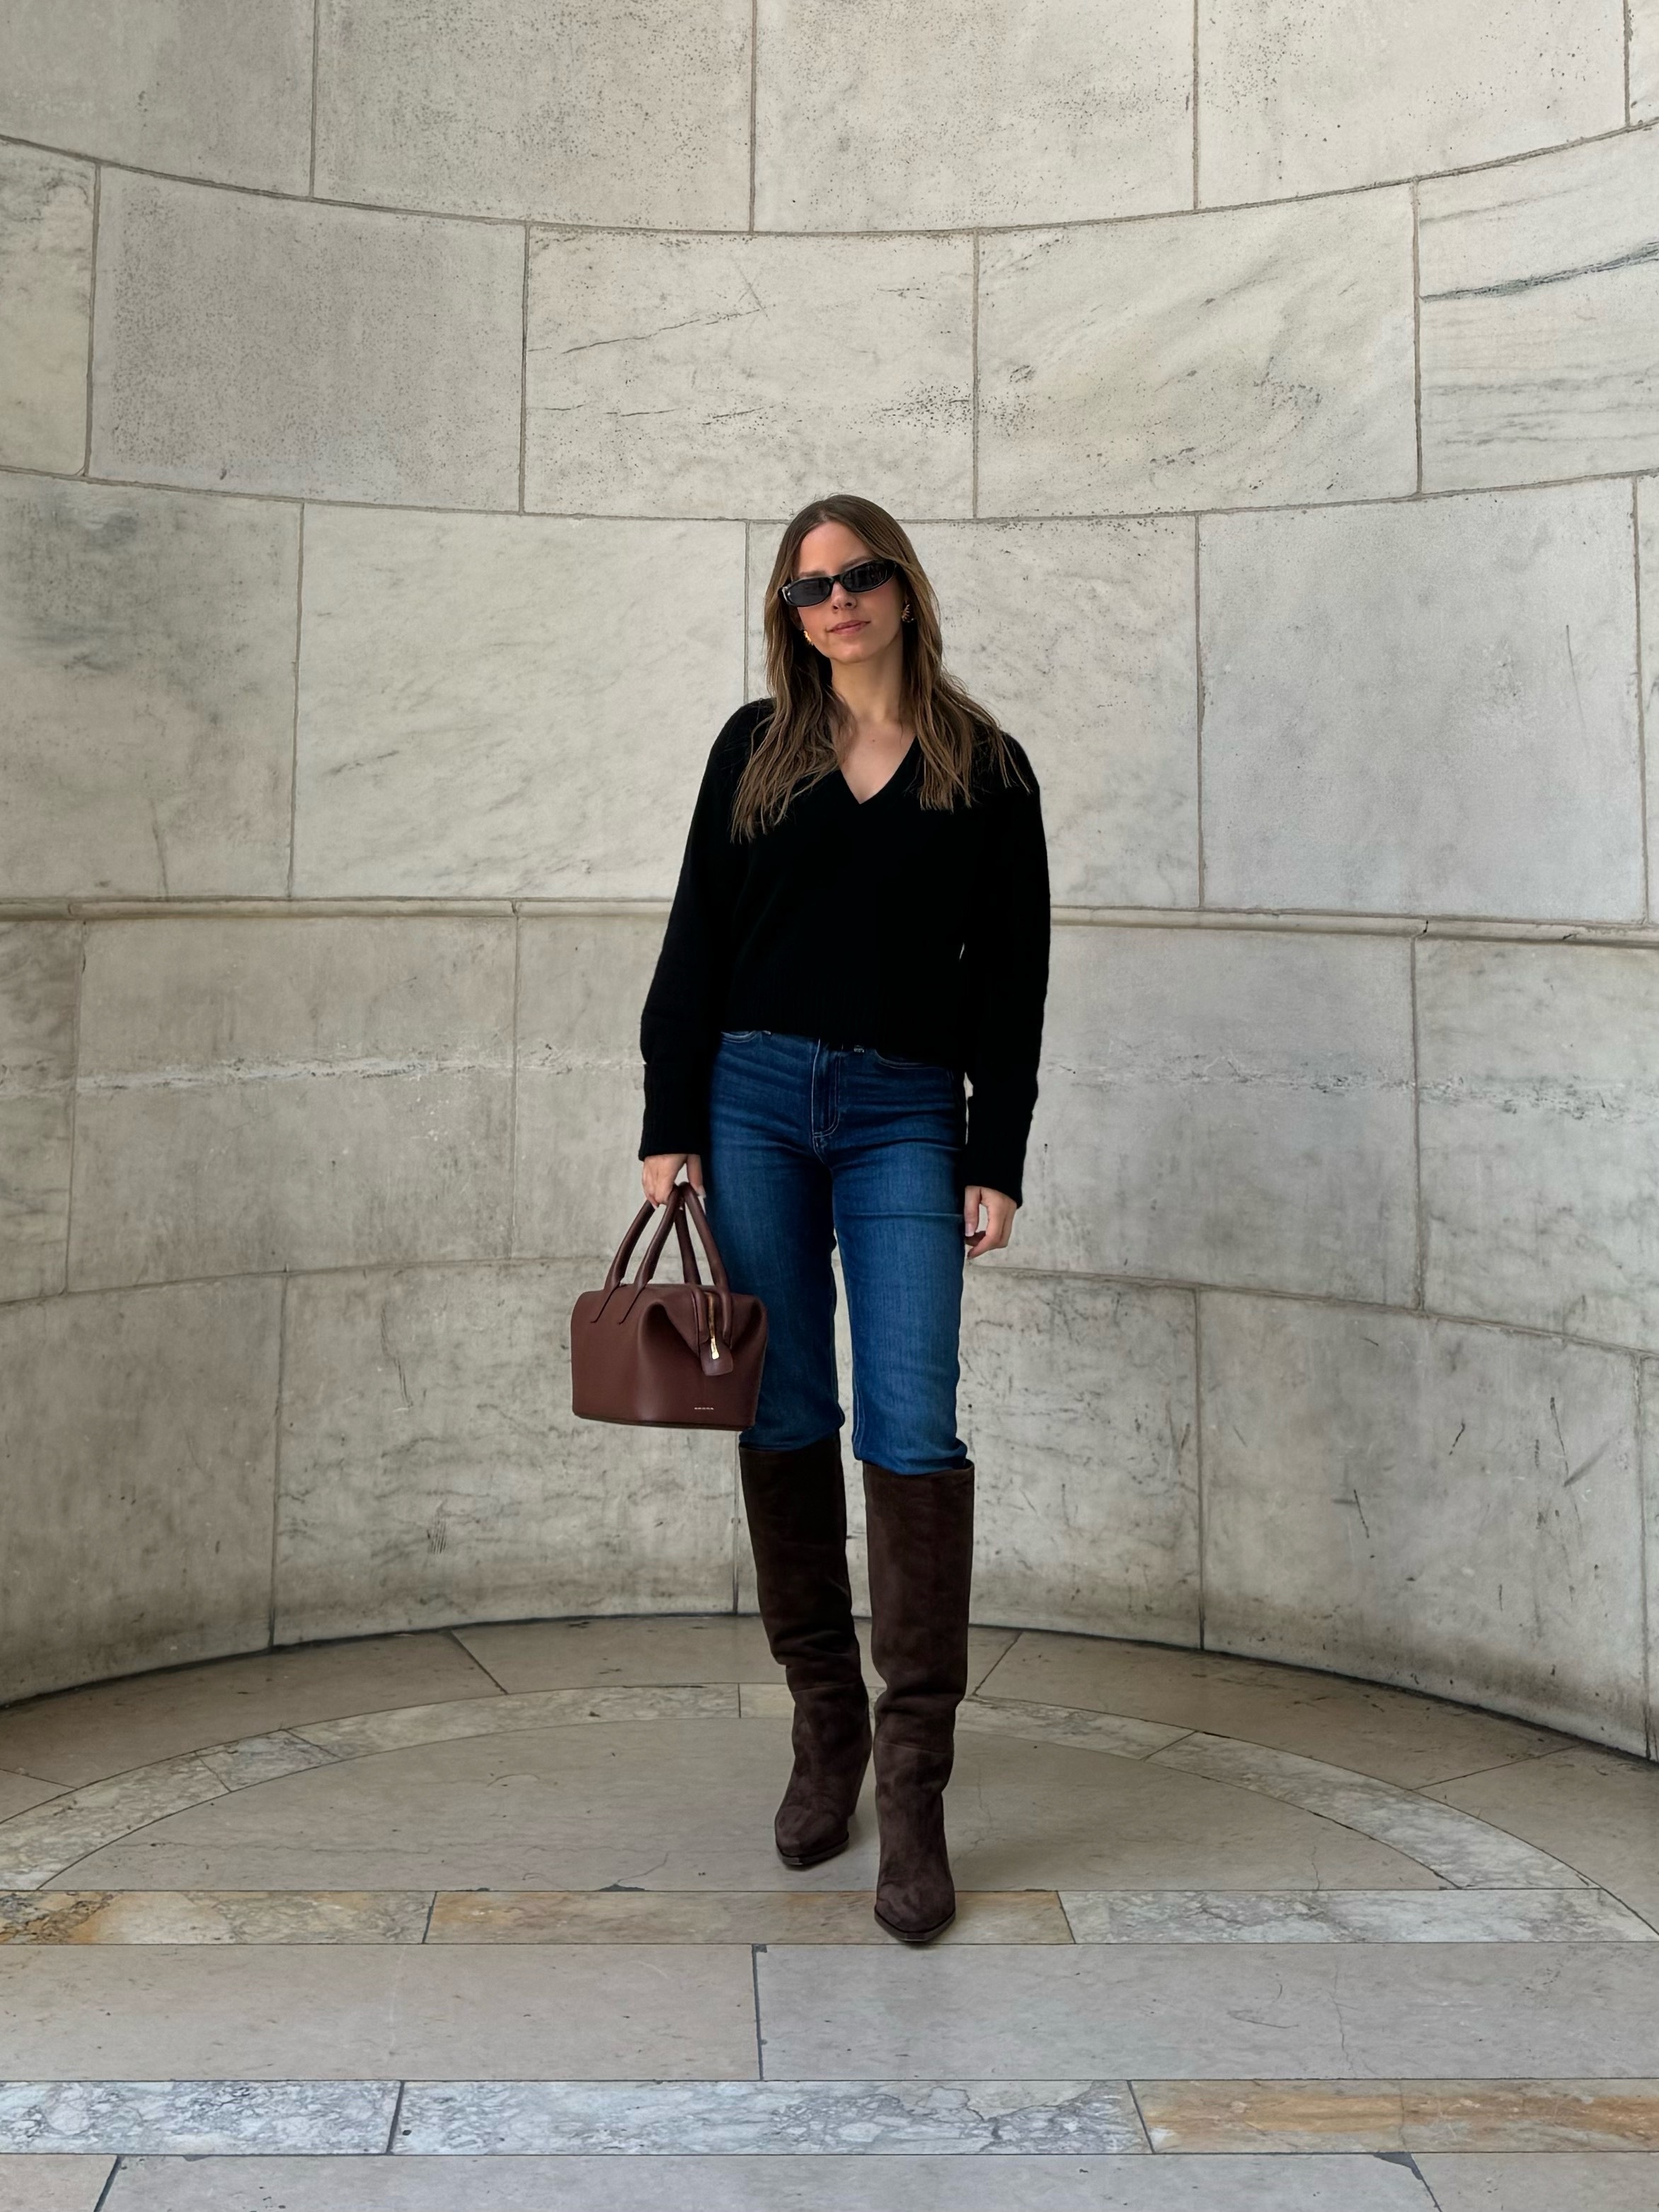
(398, 406)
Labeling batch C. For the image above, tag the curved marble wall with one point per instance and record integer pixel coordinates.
(395, 432)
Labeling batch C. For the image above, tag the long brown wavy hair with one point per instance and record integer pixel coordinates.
(957, 736)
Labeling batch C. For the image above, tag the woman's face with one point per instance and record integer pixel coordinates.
(847, 627)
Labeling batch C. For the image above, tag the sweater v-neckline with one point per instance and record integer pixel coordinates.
(904, 762)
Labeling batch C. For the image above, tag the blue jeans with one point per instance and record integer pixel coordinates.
(810, 1145)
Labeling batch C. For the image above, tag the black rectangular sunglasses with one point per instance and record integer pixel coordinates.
(813, 590)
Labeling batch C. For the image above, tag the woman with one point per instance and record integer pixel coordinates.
(861, 917)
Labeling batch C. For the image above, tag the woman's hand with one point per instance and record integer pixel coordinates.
(1001, 1210)
(657, 1175)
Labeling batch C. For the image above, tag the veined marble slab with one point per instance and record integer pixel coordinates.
(183, 1916)
(255, 1759)
(196, 2118)
(534, 1709)
(1539, 300)
(1401, 2115)
(649, 2117)
(37, 1844)
(1352, 1915)
(1117, 1734)
(611, 1916)
(1464, 1850)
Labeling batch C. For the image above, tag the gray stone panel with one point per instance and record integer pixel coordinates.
(1540, 1118)
(1424, 707)
(1448, 1508)
(1648, 1384)
(582, 982)
(1541, 317)
(935, 116)
(1255, 355)
(1078, 1403)
(433, 1470)
(505, 705)
(40, 969)
(46, 300)
(1225, 1106)
(285, 1094)
(571, 110)
(1079, 636)
(138, 1459)
(146, 692)
(725, 376)
(1311, 96)
(252, 344)
(204, 87)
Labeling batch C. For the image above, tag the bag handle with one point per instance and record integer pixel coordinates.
(681, 1196)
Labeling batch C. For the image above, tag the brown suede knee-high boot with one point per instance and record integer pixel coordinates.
(921, 1556)
(796, 1504)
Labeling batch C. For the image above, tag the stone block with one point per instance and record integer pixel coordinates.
(1449, 1508)
(710, 376)
(1241, 356)
(1078, 1403)
(937, 117)
(1078, 636)
(1648, 1383)
(499, 705)
(138, 1460)
(1424, 707)
(1539, 1122)
(320, 1092)
(39, 972)
(433, 1470)
(146, 692)
(202, 87)
(582, 981)
(1312, 96)
(576, 112)
(251, 344)
(1225, 1106)
(45, 304)
(1541, 317)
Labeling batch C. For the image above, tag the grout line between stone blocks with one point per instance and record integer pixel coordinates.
(276, 1455)
(1642, 778)
(1627, 47)
(293, 742)
(110, 2179)
(524, 367)
(754, 76)
(973, 378)
(1198, 1449)
(1417, 335)
(397, 2115)
(1196, 7)
(755, 1950)
(1198, 700)
(512, 1098)
(1649, 1714)
(1419, 1267)
(310, 173)
(73, 1099)
(92, 310)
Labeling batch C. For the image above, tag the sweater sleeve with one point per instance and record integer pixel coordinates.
(679, 1024)
(1006, 951)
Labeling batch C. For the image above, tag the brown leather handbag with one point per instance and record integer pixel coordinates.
(685, 1355)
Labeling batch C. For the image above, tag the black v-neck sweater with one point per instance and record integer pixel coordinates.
(921, 933)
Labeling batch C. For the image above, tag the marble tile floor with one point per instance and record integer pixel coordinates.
(489, 1922)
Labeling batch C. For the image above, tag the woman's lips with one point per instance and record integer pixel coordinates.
(837, 628)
